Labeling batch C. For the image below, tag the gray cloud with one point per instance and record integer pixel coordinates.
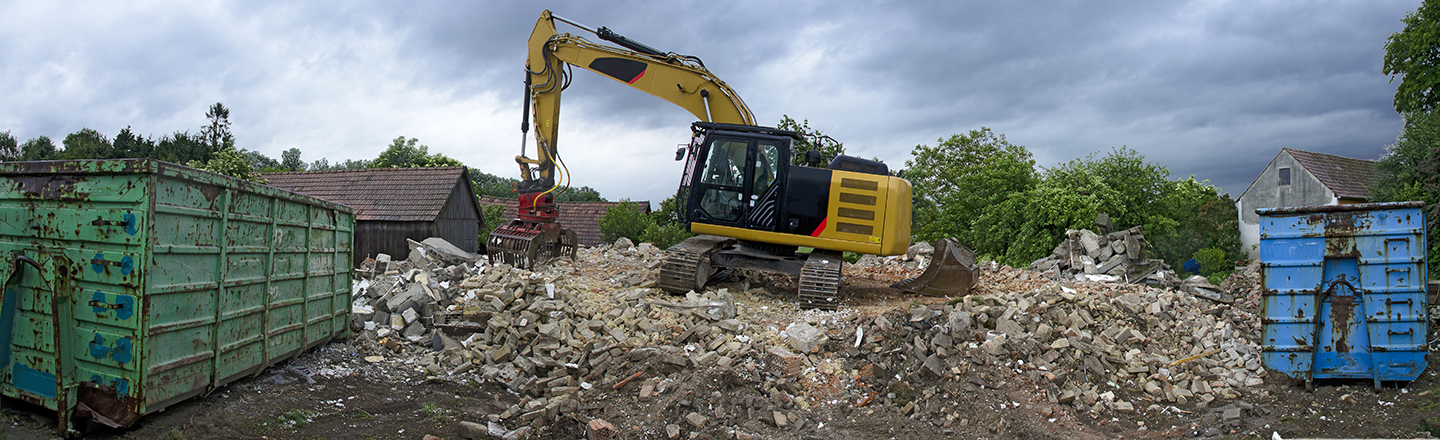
(1210, 88)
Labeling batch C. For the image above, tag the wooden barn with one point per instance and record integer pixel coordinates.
(393, 204)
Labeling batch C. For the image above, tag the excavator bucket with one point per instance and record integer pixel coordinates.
(951, 273)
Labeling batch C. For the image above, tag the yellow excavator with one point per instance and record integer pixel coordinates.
(740, 191)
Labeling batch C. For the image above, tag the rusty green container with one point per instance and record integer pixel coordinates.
(131, 285)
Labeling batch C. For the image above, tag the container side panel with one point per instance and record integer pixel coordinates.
(248, 235)
(110, 225)
(245, 268)
(186, 194)
(185, 288)
(185, 229)
(292, 213)
(1371, 301)
(1291, 252)
(157, 283)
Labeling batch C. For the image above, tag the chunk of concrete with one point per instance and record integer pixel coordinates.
(805, 338)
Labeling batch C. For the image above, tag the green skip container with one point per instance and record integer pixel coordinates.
(131, 285)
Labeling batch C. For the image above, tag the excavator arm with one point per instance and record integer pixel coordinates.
(535, 236)
(679, 79)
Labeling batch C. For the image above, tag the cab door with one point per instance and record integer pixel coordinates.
(737, 182)
(766, 180)
(721, 189)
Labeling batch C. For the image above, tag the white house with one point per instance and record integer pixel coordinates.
(1302, 178)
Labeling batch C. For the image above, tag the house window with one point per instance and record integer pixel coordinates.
(1284, 176)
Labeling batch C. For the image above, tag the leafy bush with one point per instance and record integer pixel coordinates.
(987, 193)
(494, 218)
(664, 236)
(625, 219)
(231, 163)
(1213, 260)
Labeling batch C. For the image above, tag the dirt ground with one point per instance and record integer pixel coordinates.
(332, 392)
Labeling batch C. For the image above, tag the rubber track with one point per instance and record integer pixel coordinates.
(677, 274)
(820, 281)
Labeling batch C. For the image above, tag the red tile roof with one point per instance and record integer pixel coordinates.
(1346, 177)
(385, 194)
(581, 217)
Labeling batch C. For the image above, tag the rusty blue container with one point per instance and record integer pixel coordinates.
(1344, 291)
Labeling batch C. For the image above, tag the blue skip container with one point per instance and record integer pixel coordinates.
(1344, 291)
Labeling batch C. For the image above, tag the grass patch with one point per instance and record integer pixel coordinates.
(1431, 425)
(362, 415)
(433, 411)
(174, 434)
(295, 418)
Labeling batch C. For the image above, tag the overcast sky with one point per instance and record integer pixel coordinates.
(1209, 88)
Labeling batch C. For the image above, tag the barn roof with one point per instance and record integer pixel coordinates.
(1346, 177)
(381, 194)
(581, 217)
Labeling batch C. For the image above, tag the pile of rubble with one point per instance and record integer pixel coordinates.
(1119, 256)
(1094, 346)
(570, 336)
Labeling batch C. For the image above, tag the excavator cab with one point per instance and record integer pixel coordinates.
(732, 177)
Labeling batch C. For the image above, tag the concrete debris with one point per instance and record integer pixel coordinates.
(557, 338)
(1113, 257)
(1201, 287)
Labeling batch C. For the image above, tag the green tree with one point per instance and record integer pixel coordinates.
(87, 144)
(1199, 213)
(487, 184)
(182, 147)
(667, 214)
(9, 147)
(1400, 166)
(128, 144)
(259, 161)
(39, 148)
(625, 219)
(217, 135)
(407, 153)
(1139, 184)
(290, 160)
(1410, 170)
(665, 236)
(229, 162)
(1411, 55)
(954, 181)
(1027, 225)
(324, 164)
(810, 139)
(494, 216)
(581, 194)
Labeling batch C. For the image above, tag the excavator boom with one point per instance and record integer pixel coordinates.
(535, 237)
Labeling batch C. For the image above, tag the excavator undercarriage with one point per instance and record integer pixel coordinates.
(690, 265)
